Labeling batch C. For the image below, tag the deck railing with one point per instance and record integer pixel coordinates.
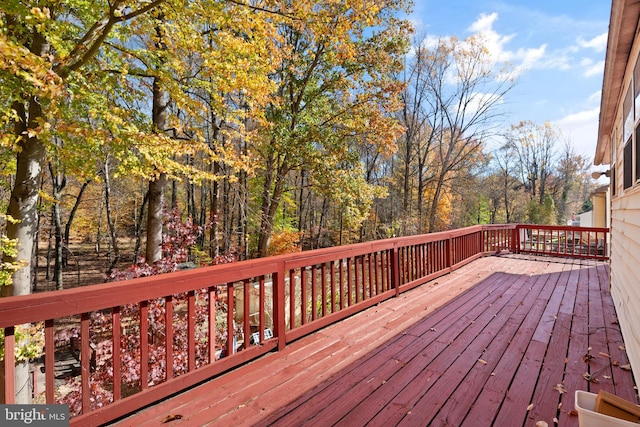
(128, 344)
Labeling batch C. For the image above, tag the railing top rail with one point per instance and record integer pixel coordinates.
(42, 306)
(563, 227)
(500, 226)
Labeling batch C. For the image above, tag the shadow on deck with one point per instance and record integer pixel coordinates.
(502, 341)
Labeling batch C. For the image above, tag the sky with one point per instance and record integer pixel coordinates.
(557, 47)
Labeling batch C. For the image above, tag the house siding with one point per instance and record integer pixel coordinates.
(625, 283)
(600, 210)
(624, 202)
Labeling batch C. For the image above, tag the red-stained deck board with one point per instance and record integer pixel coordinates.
(520, 391)
(450, 412)
(414, 359)
(578, 348)
(498, 318)
(491, 398)
(233, 382)
(600, 364)
(377, 369)
(554, 330)
(423, 343)
(456, 359)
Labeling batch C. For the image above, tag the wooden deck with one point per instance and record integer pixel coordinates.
(503, 341)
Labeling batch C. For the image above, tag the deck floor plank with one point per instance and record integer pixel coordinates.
(520, 391)
(504, 318)
(475, 347)
(578, 348)
(450, 414)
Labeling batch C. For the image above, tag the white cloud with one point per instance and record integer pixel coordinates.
(598, 43)
(594, 69)
(521, 60)
(580, 117)
(595, 96)
(582, 129)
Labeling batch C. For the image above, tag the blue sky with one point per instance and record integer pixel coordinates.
(558, 47)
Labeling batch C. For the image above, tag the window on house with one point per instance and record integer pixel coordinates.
(613, 180)
(627, 164)
(627, 115)
(637, 152)
(614, 149)
(636, 87)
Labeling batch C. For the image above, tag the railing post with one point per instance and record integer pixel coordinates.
(395, 269)
(280, 306)
(515, 240)
(450, 254)
(9, 364)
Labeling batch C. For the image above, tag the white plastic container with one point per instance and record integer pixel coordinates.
(587, 417)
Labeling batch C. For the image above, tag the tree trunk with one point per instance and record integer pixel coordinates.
(99, 227)
(139, 218)
(112, 227)
(157, 186)
(67, 227)
(214, 215)
(434, 204)
(58, 182)
(154, 219)
(23, 207)
(271, 195)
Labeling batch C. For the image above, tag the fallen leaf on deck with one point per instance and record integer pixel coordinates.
(555, 420)
(604, 355)
(559, 388)
(626, 367)
(615, 363)
(623, 348)
(572, 413)
(530, 407)
(433, 329)
(542, 424)
(171, 417)
(484, 362)
(606, 377)
(587, 358)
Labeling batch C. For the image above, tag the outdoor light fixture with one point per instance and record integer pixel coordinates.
(596, 175)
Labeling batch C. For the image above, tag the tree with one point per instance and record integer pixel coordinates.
(334, 90)
(467, 90)
(68, 73)
(533, 146)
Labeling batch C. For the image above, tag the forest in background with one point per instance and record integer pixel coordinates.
(245, 129)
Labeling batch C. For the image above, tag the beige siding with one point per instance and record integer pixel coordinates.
(599, 210)
(625, 275)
